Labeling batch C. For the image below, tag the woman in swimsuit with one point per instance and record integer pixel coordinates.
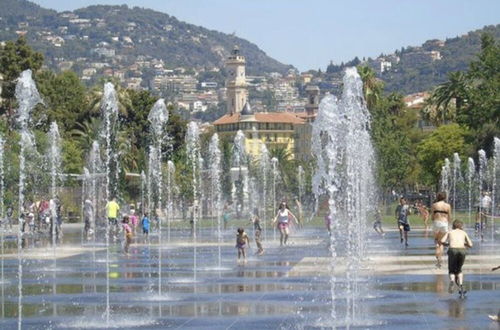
(440, 212)
(283, 218)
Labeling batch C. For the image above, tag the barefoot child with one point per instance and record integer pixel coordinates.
(258, 233)
(241, 241)
(127, 231)
(145, 226)
(457, 240)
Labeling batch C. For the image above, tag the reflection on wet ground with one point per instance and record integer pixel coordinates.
(268, 292)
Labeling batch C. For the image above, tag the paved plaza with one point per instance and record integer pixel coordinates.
(286, 288)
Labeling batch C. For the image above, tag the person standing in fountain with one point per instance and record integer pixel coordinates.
(8, 217)
(424, 213)
(377, 224)
(127, 231)
(112, 209)
(402, 212)
(88, 212)
(458, 241)
(258, 232)
(241, 241)
(134, 220)
(440, 212)
(145, 226)
(283, 218)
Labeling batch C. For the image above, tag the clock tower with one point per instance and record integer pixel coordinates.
(236, 85)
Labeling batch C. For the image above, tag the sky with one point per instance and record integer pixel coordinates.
(310, 33)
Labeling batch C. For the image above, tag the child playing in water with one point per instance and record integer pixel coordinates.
(377, 224)
(128, 233)
(145, 225)
(458, 241)
(258, 233)
(241, 241)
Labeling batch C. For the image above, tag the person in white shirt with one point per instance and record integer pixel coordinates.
(458, 241)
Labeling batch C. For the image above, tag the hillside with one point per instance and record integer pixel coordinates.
(415, 69)
(121, 36)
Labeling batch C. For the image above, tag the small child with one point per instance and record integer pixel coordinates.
(258, 234)
(134, 220)
(241, 240)
(402, 212)
(377, 224)
(145, 225)
(128, 233)
(458, 241)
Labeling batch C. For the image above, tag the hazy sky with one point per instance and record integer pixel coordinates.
(310, 33)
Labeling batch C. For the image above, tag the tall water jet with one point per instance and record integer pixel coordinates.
(274, 171)
(96, 169)
(158, 118)
(27, 97)
(239, 160)
(2, 218)
(264, 168)
(482, 184)
(216, 190)
(445, 178)
(193, 155)
(54, 154)
(457, 176)
(494, 184)
(109, 113)
(471, 171)
(170, 209)
(344, 155)
(301, 186)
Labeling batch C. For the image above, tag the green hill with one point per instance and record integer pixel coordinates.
(416, 69)
(85, 35)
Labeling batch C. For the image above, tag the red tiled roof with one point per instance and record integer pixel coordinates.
(263, 117)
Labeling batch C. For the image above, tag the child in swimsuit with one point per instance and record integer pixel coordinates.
(241, 241)
(128, 234)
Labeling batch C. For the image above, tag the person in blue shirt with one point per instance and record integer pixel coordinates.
(145, 225)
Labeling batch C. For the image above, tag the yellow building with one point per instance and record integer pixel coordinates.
(277, 130)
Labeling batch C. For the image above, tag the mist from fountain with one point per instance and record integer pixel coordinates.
(344, 155)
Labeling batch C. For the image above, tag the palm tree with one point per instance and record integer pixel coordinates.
(372, 87)
(87, 132)
(453, 92)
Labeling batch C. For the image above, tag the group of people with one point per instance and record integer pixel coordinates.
(282, 220)
(457, 239)
(39, 217)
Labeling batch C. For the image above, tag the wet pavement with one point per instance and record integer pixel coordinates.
(286, 288)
